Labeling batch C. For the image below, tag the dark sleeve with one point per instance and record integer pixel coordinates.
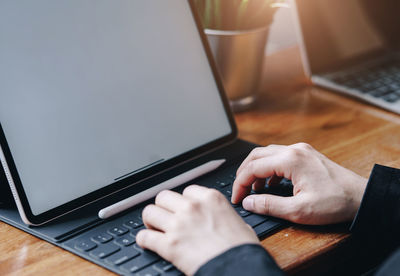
(377, 224)
(248, 259)
(378, 218)
(391, 266)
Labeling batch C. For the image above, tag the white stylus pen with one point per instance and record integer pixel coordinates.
(153, 191)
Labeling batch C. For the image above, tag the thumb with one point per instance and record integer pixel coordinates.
(271, 205)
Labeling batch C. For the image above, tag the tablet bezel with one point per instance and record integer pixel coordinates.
(18, 189)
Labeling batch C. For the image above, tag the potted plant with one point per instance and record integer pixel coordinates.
(237, 31)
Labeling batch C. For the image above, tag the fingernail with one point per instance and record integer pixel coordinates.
(248, 203)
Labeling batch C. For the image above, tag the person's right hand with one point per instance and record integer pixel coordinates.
(323, 191)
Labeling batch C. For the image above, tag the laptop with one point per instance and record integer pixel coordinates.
(100, 101)
(352, 47)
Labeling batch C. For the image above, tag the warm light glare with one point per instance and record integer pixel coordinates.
(279, 5)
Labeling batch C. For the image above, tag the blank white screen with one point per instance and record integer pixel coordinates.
(92, 90)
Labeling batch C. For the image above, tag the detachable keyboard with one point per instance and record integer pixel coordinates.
(112, 244)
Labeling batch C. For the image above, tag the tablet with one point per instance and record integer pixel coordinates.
(99, 95)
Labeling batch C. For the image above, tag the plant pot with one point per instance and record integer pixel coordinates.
(239, 56)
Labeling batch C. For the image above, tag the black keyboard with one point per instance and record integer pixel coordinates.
(113, 246)
(379, 80)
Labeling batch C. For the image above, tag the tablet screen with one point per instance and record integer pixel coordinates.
(96, 91)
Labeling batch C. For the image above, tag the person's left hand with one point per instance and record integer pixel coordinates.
(190, 229)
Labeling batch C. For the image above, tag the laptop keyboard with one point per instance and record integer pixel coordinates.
(380, 81)
(113, 245)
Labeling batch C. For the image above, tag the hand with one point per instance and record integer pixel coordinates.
(190, 229)
(323, 191)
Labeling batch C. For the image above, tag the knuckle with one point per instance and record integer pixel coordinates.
(294, 154)
(192, 207)
(251, 167)
(266, 208)
(173, 241)
(161, 195)
(256, 151)
(188, 189)
(271, 146)
(304, 146)
(291, 155)
(146, 213)
(262, 205)
(214, 195)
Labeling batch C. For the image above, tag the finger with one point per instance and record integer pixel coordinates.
(258, 153)
(203, 194)
(170, 200)
(155, 217)
(152, 240)
(260, 168)
(271, 205)
(195, 191)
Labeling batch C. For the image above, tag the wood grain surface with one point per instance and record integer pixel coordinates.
(289, 110)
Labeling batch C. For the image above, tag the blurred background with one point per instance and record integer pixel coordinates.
(282, 34)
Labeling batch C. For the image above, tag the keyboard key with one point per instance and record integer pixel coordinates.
(105, 250)
(174, 272)
(146, 254)
(148, 271)
(254, 220)
(136, 230)
(391, 98)
(222, 184)
(164, 266)
(227, 193)
(85, 245)
(242, 212)
(125, 240)
(133, 223)
(387, 80)
(122, 256)
(286, 181)
(395, 86)
(118, 231)
(371, 86)
(381, 91)
(139, 262)
(266, 227)
(351, 84)
(102, 238)
(116, 247)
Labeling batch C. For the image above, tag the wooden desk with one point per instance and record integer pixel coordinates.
(289, 110)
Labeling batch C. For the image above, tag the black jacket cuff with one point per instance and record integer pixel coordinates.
(247, 259)
(378, 218)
